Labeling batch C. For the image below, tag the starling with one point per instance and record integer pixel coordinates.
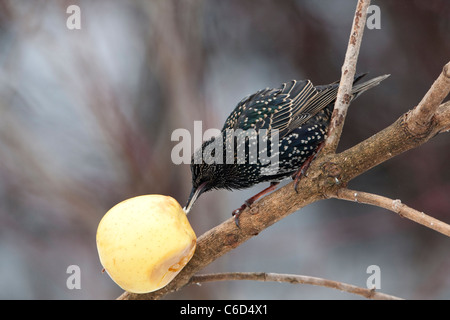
(287, 124)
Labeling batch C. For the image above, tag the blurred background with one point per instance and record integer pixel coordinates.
(86, 118)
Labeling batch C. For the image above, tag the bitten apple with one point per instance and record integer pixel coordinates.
(144, 242)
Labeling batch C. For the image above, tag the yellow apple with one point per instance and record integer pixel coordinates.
(144, 242)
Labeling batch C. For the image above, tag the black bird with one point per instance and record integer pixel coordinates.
(286, 124)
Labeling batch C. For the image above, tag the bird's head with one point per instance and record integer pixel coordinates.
(208, 173)
(202, 181)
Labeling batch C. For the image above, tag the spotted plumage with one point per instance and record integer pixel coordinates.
(285, 126)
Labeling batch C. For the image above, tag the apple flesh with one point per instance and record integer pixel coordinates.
(144, 242)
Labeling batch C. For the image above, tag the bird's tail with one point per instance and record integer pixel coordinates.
(361, 87)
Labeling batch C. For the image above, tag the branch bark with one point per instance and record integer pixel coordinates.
(293, 279)
(348, 73)
(423, 114)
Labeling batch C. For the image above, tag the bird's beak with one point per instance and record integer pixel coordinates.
(195, 193)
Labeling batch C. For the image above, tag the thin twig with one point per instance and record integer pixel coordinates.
(348, 72)
(294, 279)
(393, 205)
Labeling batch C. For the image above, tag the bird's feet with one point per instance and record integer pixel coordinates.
(236, 213)
(302, 171)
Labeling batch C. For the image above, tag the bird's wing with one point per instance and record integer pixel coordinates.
(272, 108)
(326, 95)
(290, 106)
(294, 98)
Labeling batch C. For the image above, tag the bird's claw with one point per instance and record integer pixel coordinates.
(249, 202)
(298, 176)
(305, 166)
(236, 213)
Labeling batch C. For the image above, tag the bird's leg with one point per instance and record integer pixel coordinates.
(302, 171)
(250, 201)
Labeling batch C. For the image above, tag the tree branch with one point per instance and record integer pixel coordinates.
(393, 205)
(347, 77)
(423, 114)
(328, 173)
(293, 279)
